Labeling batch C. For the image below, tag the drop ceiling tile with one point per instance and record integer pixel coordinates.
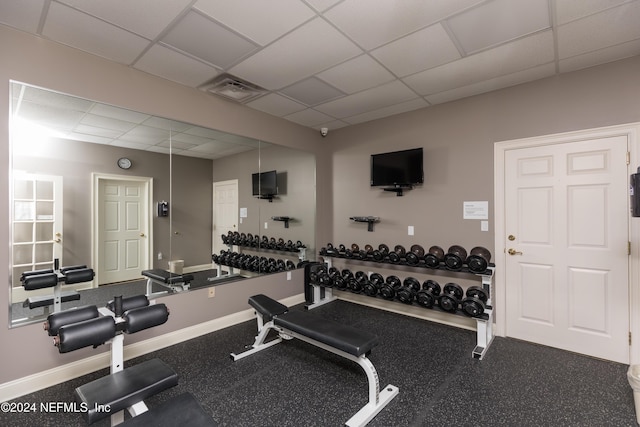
(118, 113)
(372, 26)
(585, 35)
(119, 126)
(276, 105)
(309, 117)
(602, 56)
(23, 15)
(568, 10)
(166, 125)
(322, 5)
(147, 18)
(403, 107)
(211, 147)
(130, 144)
(260, 21)
(332, 125)
(158, 149)
(489, 85)
(50, 116)
(177, 145)
(191, 139)
(164, 62)
(89, 138)
(56, 100)
(372, 99)
(84, 32)
(145, 135)
(97, 131)
(356, 74)
(308, 50)
(499, 21)
(312, 91)
(207, 40)
(505, 59)
(419, 51)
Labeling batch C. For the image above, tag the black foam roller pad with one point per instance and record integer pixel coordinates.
(80, 275)
(40, 281)
(130, 303)
(88, 332)
(64, 270)
(57, 320)
(34, 272)
(138, 319)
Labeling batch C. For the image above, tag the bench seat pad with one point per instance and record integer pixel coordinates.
(266, 306)
(125, 388)
(47, 300)
(343, 337)
(167, 277)
(181, 411)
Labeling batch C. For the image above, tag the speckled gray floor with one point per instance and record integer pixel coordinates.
(296, 384)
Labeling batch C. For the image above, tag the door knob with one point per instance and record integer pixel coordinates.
(512, 251)
(141, 234)
(511, 237)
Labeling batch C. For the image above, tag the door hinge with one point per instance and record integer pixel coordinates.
(628, 248)
(628, 157)
(629, 338)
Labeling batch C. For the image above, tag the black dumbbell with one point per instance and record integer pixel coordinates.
(478, 259)
(389, 287)
(414, 255)
(407, 293)
(475, 303)
(429, 293)
(450, 298)
(455, 257)
(434, 257)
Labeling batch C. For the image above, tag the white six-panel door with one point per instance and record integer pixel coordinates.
(567, 233)
(225, 211)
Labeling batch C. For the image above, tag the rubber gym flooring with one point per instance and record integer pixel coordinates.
(297, 384)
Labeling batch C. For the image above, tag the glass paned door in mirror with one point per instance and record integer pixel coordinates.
(36, 224)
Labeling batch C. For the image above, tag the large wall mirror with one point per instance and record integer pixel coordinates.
(89, 182)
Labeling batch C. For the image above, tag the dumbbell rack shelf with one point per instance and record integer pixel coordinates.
(301, 254)
(484, 323)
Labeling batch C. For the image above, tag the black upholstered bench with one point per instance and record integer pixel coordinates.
(343, 340)
(182, 411)
(111, 394)
(172, 281)
(47, 300)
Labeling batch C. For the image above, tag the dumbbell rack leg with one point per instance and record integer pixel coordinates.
(320, 297)
(484, 335)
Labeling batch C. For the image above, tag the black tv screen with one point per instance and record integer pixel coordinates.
(265, 183)
(398, 168)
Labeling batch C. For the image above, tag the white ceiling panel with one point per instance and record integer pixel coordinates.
(205, 39)
(499, 21)
(260, 21)
(147, 18)
(119, 126)
(309, 117)
(276, 105)
(171, 65)
(24, 15)
(585, 35)
(419, 51)
(568, 10)
(501, 82)
(118, 113)
(403, 107)
(602, 56)
(84, 32)
(353, 50)
(388, 94)
(312, 91)
(309, 49)
(372, 25)
(167, 125)
(506, 59)
(97, 131)
(357, 74)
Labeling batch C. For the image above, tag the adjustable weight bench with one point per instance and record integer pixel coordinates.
(174, 282)
(343, 340)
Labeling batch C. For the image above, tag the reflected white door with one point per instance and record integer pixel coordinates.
(567, 277)
(36, 229)
(225, 211)
(123, 229)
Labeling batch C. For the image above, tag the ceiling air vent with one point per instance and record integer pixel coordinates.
(233, 88)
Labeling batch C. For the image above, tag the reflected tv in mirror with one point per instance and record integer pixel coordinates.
(397, 168)
(265, 184)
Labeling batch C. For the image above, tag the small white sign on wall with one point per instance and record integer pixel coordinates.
(243, 212)
(475, 210)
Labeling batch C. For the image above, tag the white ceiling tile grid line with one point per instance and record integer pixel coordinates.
(339, 62)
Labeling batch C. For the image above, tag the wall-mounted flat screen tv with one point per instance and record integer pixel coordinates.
(397, 168)
(265, 183)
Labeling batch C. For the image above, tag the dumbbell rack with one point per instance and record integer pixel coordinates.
(301, 253)
(484, 323)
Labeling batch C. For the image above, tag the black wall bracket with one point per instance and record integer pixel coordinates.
(370, 220)
(285, 219)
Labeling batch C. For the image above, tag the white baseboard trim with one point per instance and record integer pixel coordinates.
(50, 377)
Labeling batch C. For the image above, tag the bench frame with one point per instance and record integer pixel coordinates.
(377, 399)
(172, 287)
